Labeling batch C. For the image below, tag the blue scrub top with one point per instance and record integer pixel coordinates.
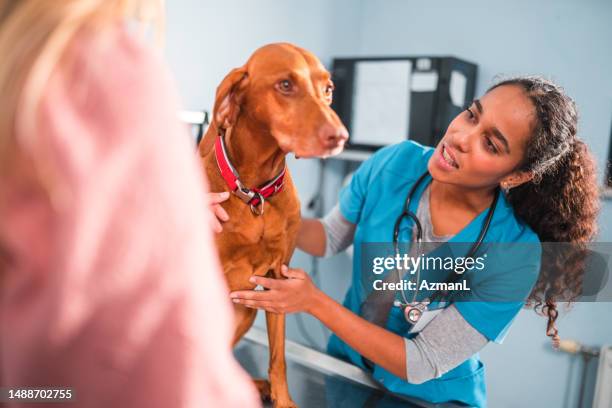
(373, 200)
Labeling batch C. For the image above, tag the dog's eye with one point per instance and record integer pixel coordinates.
(285, 86)
(329, 89)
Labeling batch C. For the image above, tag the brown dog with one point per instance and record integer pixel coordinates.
(279, 102)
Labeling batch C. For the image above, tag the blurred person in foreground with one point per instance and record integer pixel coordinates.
(109, 280)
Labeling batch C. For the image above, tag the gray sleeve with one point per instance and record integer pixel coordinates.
(447, 341)
(338, 232)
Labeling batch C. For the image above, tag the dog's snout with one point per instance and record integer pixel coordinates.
(333, 135)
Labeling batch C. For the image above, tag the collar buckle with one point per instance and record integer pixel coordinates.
(243, 192)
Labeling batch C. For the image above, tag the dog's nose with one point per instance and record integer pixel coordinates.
(332, 135)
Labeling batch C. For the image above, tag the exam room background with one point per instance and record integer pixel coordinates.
(567, 40)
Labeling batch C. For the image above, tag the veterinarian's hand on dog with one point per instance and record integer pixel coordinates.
(220, 213)
(295, 294)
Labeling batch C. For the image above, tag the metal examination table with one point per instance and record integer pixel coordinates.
(317, 380)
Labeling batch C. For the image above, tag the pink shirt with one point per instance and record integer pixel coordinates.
(114, 288)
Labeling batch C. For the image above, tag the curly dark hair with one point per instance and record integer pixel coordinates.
(565, 188)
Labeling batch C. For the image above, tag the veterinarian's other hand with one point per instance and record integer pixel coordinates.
(295, 294)
(220, 213)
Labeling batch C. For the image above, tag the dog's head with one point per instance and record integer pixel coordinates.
(287, 92)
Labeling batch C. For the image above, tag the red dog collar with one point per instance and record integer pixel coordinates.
(253, 197)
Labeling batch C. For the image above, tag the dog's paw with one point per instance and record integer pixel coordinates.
(283, 403)
(263, 387)
(282, 399)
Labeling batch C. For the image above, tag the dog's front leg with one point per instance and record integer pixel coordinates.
(278, 368)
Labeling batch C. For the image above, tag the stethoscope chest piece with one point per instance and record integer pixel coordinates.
(412, 314)
(413, 311)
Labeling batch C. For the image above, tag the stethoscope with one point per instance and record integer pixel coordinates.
(413, 310)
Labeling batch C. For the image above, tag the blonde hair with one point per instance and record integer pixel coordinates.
(34, 35)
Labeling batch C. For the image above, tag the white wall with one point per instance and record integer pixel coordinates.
(205, 39)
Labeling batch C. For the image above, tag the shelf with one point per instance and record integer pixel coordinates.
(193, 117)
(353, 155)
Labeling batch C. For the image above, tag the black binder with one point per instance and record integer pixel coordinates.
(430, 111)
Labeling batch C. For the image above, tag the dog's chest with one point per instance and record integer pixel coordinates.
(261, 240)
(252, 243)
(272, 229)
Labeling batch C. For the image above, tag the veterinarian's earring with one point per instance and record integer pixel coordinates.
(505, 187)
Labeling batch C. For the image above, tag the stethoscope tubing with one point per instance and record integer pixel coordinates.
(419, 235)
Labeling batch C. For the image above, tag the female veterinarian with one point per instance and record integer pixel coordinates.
(520, 138)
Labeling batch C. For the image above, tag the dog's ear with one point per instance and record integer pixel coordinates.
(229, 97)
